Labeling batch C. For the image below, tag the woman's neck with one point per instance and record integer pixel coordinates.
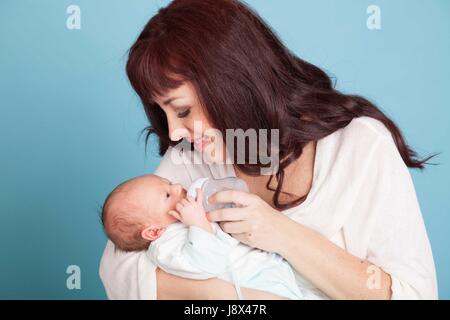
(298, 178)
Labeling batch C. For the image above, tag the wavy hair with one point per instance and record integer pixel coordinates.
(237, 64)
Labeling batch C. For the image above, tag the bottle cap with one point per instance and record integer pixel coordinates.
(197, 184)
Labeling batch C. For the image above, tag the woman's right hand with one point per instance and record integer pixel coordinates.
(170, 287)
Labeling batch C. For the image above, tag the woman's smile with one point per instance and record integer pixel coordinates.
(200, 143)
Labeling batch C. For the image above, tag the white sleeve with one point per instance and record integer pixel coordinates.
(132, 275)
(127, 275)
(191, 253)
(399, 244)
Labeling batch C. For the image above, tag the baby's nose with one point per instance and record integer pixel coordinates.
(179, 189)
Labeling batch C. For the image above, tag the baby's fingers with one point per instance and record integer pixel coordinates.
(175, 214)
(179, 206)
(190, 199)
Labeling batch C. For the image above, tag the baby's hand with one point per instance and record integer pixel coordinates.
(191, 212)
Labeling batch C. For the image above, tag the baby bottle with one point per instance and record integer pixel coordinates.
(210, 186)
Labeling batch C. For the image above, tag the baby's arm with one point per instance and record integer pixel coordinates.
(191, 212)
(197, 252)
(191, 253)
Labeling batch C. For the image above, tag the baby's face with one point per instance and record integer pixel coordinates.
(163, 196)
(152, 197)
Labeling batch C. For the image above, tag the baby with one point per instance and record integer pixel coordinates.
(151, 213)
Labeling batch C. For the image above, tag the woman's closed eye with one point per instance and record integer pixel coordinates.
(184, 114)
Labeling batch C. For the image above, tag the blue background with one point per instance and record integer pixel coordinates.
(70, 122)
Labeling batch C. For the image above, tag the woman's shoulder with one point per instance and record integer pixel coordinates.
(365, 145)
(359, 138)
(366, 128)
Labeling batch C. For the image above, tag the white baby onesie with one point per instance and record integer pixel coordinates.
(191, 252)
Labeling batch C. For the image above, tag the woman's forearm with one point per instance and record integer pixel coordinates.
(337, 273)
(170, 287)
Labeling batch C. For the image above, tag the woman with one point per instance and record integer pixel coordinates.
(340, 207)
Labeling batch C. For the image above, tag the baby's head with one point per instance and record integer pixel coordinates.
(136, 211)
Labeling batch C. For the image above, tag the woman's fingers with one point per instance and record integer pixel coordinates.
(244, 237)
(235, 227)
(241, 198)
(227, 214)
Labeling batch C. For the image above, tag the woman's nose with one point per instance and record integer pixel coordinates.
(176, 130)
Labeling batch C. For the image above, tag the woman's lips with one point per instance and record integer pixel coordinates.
(199, 144)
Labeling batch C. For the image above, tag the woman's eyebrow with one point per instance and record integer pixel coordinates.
(171, 99)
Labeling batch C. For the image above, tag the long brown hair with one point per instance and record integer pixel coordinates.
(237, 64)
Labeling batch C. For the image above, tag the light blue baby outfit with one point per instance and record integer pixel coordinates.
(194, 253)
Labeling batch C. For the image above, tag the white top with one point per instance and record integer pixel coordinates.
(362, 198)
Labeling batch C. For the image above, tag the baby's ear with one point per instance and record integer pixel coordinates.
(152, 233)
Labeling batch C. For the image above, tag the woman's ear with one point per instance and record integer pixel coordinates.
(152, 232)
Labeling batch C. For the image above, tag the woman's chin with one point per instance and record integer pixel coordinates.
(211, 154)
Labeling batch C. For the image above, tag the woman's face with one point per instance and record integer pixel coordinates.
(187, 120)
